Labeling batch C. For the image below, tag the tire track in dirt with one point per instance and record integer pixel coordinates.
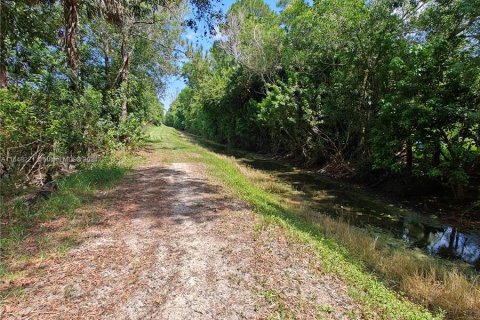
(173, 245)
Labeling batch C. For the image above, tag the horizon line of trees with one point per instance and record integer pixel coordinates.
(385, 86)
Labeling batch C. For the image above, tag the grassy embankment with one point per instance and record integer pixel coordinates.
(378, 275)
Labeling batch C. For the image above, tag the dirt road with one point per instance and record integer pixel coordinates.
(171, 244)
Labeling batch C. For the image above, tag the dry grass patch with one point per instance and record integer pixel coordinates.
(450, 290)
(266, 182)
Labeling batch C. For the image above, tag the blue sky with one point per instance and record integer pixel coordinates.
(176, 84)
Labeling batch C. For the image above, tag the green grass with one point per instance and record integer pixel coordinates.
(75, 189)
(377, 299)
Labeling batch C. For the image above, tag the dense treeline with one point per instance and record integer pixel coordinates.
(81, 77)
(387, 85)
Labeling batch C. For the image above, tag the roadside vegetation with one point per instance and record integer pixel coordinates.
(376, 90)
(80, 79)
(380, 275)
(76, 97)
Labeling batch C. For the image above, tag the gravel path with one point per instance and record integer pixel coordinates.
(171, 244)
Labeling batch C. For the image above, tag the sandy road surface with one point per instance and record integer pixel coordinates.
(172, 245)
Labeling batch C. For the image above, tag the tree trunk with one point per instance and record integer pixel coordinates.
(107, 85)
(364, 112)
(70, 35)
(123, 115)
(3, 64)
(123, 76)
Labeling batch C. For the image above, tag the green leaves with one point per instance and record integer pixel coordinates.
(18, 122)
(384, 85)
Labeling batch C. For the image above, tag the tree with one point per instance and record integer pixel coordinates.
(355, 86)
(252, 36)
(74, 88)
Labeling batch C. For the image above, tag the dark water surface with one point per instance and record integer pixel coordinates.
(424, 231)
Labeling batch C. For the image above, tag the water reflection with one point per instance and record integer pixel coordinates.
(445, 241)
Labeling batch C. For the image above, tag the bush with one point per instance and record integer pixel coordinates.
(20, 134)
